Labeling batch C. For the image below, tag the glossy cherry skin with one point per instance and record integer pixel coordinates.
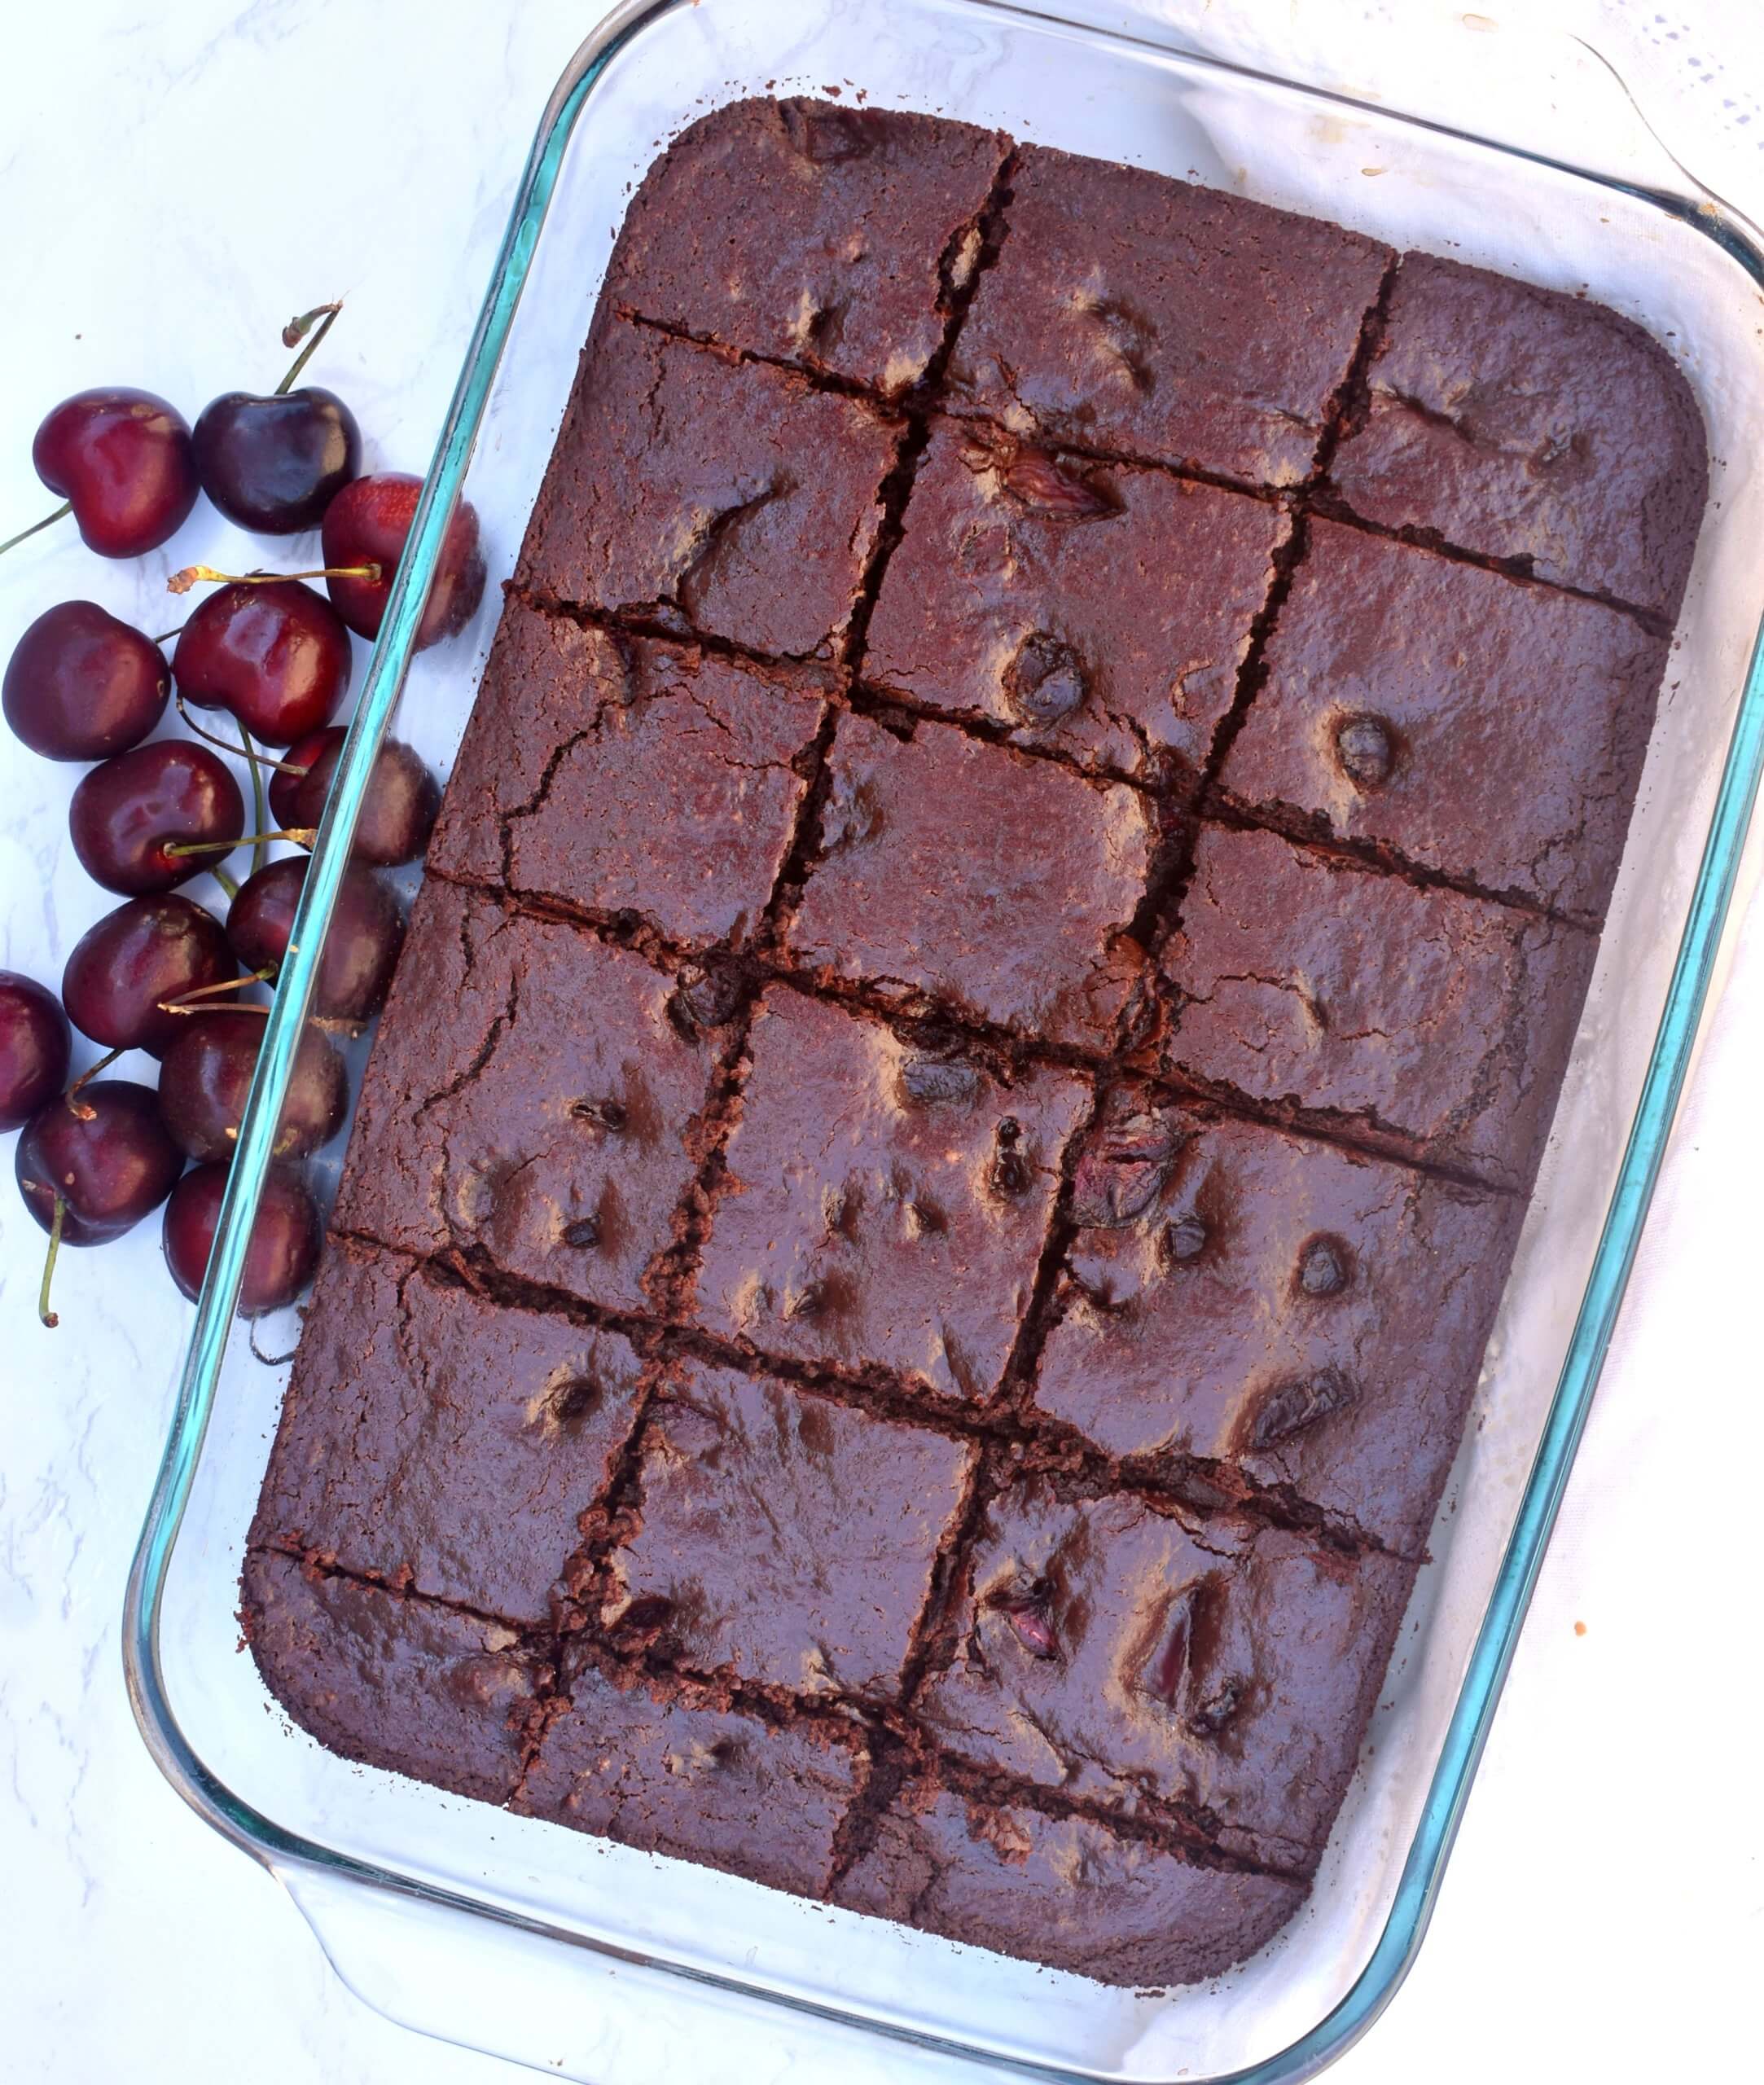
(282, 1251)
(275, 657)
(150, 950)
(205, 1076)
(109, 1170)
(81, 685)
(368, 524)
(126, 814)
(34, 1042)
(274, 464)
(361, 948)
(124, 460)
(398, 810)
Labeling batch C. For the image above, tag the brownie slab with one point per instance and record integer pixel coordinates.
(957, 875)
(621, 776)
(1528, 425)
(391, 1680)
(1491, 731)
(781, 1539)
(869, 215)
(550, 1116)
(709, 495)
(1103, 612)
(1436, 1024)
(1158, 1665)
(671, 1767)
(884, 1206)
(1309, 1316)
(433, 1439)
(1156, 319)
(1062, 1890)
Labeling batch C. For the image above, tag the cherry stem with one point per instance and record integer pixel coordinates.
(79, 1107)
(225, 882)
(295, 331)
(192, 575)
(302, 836)
(237, 1006)
(185, 1003)
(36, 528)
(245, 752)
(165, 637)
(43, 1310)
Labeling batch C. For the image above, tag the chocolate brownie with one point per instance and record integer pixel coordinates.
(1101, 611)
(1434, 1025)
(1130, 1655)
(780, 1539)
(625, 778)
(885, 1201)
(550, 1119)
(1489, 730)
(440, 1441)
(872, 219)
(1065, 1890)
(954, 874)
(711, 496)
(671, 1766)
(1532, 427)
(1311, 1318)
(1154, 318)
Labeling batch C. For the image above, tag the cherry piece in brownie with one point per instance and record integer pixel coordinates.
(1154, 318)
(1101, 611)
(964, 875)
(871, 218)
(1528, 425)
(726, 498)
(1218, 1673)
(434, 1439)
(1488, 730)
(622, 776)
(1435, 1025)
(1310, 1317)
(1062, 1890)
(780, 1538)
(532, 1092)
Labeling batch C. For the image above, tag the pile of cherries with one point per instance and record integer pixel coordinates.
(161, 974)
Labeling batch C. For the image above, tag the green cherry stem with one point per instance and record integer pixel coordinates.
(36, 528)
(43, 1310)
(301, 836)
(260, 853)
(245, 752)
(295, 331)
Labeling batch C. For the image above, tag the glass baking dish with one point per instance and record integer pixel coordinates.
(591, 1961)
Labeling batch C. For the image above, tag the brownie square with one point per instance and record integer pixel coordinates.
(1491, 731)
(392, 1680)
(1311, 1318)
(1062, 1890)
(885, 1204)
(870, 215)
(671, 1767)
(1435, 1025)
(962, 875)
(432, 1439)
(621, 776)
(1525, 424)
(708, 495)
(1157, 319)
(781, 1539)
(1103, 612)
(1221, 1671)
(550, 1117)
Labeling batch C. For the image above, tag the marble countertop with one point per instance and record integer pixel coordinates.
(177, 181)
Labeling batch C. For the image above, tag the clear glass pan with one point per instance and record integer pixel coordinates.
(590, 1961)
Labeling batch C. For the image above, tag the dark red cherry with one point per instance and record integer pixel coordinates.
(34, 1040)
(81, 685)
(146, 952)
(397, 812)
(366, 524)
(205, 1076)
(361, 948)
(282, 1251)
(128, 814)
(274, 464)
(276, 657)
(122, 460)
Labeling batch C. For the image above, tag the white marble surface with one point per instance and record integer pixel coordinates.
(176, 181)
